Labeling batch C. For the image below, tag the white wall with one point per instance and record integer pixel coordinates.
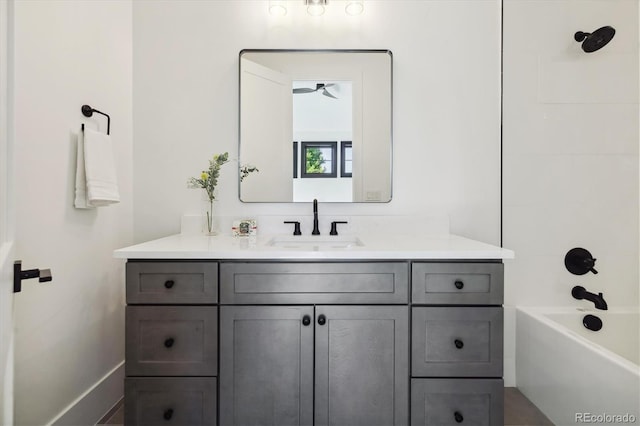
(571, 135)
(70, 332)
(446, 103)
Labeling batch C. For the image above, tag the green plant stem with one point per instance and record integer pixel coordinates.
(210, 215)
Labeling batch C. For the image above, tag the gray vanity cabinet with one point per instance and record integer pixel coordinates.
(457, 343)
(289, 343)
(341, 357)
(267, 357)
(171, 338)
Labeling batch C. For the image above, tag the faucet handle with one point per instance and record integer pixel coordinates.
(334, 228)
(579, 261)
(296, 226)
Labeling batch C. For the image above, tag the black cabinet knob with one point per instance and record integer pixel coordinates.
(306, 320)
(458, 417)
(168, 414)
(169, 283)
(459, 284)
(169, 342)
(322, 320)
(459, 343)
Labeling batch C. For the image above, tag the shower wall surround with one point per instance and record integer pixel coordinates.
(446, 123)
(570, 141)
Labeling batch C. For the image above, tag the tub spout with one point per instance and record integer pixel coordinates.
(579, 292)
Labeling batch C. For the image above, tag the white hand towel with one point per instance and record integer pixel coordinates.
(99, 169)
(81, 201)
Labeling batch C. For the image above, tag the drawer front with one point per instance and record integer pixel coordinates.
(171, 340)
(457, 342)
(153, 401)
(294, 283)
(193, 283)
(457, 283)
(457, 401)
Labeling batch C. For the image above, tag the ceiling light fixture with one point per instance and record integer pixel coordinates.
(354, 8)
(315, 7)
(277, 7)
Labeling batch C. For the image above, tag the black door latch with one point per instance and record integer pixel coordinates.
(43, 275)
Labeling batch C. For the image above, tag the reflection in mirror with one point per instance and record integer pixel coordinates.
(322, 114)
(334, 107)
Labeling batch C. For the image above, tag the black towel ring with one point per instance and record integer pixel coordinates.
(87, 111)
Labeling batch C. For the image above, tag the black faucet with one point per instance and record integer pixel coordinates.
(580, 292)
(315, 231)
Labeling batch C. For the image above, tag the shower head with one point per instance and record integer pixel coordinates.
(595, 40)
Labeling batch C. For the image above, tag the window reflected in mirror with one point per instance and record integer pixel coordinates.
(336, 108)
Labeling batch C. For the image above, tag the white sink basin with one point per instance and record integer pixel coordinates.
(315, 242)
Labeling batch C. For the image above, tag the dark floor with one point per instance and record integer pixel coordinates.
(518, 411)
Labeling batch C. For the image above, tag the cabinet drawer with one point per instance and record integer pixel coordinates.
(152, 401)
(457, 283)
(457, 342)
(171, 340)
(172, 283)
(457, 401)
(294, 283)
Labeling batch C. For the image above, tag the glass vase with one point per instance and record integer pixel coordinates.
(209, 227)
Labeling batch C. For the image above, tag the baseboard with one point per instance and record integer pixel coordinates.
(509, 372)
(90, 407)
(109, 414)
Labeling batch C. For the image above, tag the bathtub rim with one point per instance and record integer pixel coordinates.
(538, 313)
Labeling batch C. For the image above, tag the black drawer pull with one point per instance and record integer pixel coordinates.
(459, 343)
(168, 414)
(169, 283)
(458, 417)
(459, 284)
(169, 342)
(322, 320)
(306, 320)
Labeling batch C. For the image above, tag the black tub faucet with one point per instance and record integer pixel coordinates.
(315, 231)
(579, 261)
(580, 292)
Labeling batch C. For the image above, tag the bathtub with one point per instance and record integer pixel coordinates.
(575, 375)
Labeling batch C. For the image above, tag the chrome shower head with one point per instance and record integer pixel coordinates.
(595, 40)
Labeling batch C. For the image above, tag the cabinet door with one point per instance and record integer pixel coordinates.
(457, 341)
(171, 340)
(316, 282)
(157, 283)
(457, 283)
(362, 365)
(266, 365)
(457, 401)
(153, 401)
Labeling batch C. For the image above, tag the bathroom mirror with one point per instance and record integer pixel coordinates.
(316, 124)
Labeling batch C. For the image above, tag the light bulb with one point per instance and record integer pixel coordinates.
(315, 9)
(277, 8)
(354, 8)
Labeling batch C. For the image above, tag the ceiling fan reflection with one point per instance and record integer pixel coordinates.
(319, 87)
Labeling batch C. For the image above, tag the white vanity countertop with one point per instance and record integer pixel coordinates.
(184, 246)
